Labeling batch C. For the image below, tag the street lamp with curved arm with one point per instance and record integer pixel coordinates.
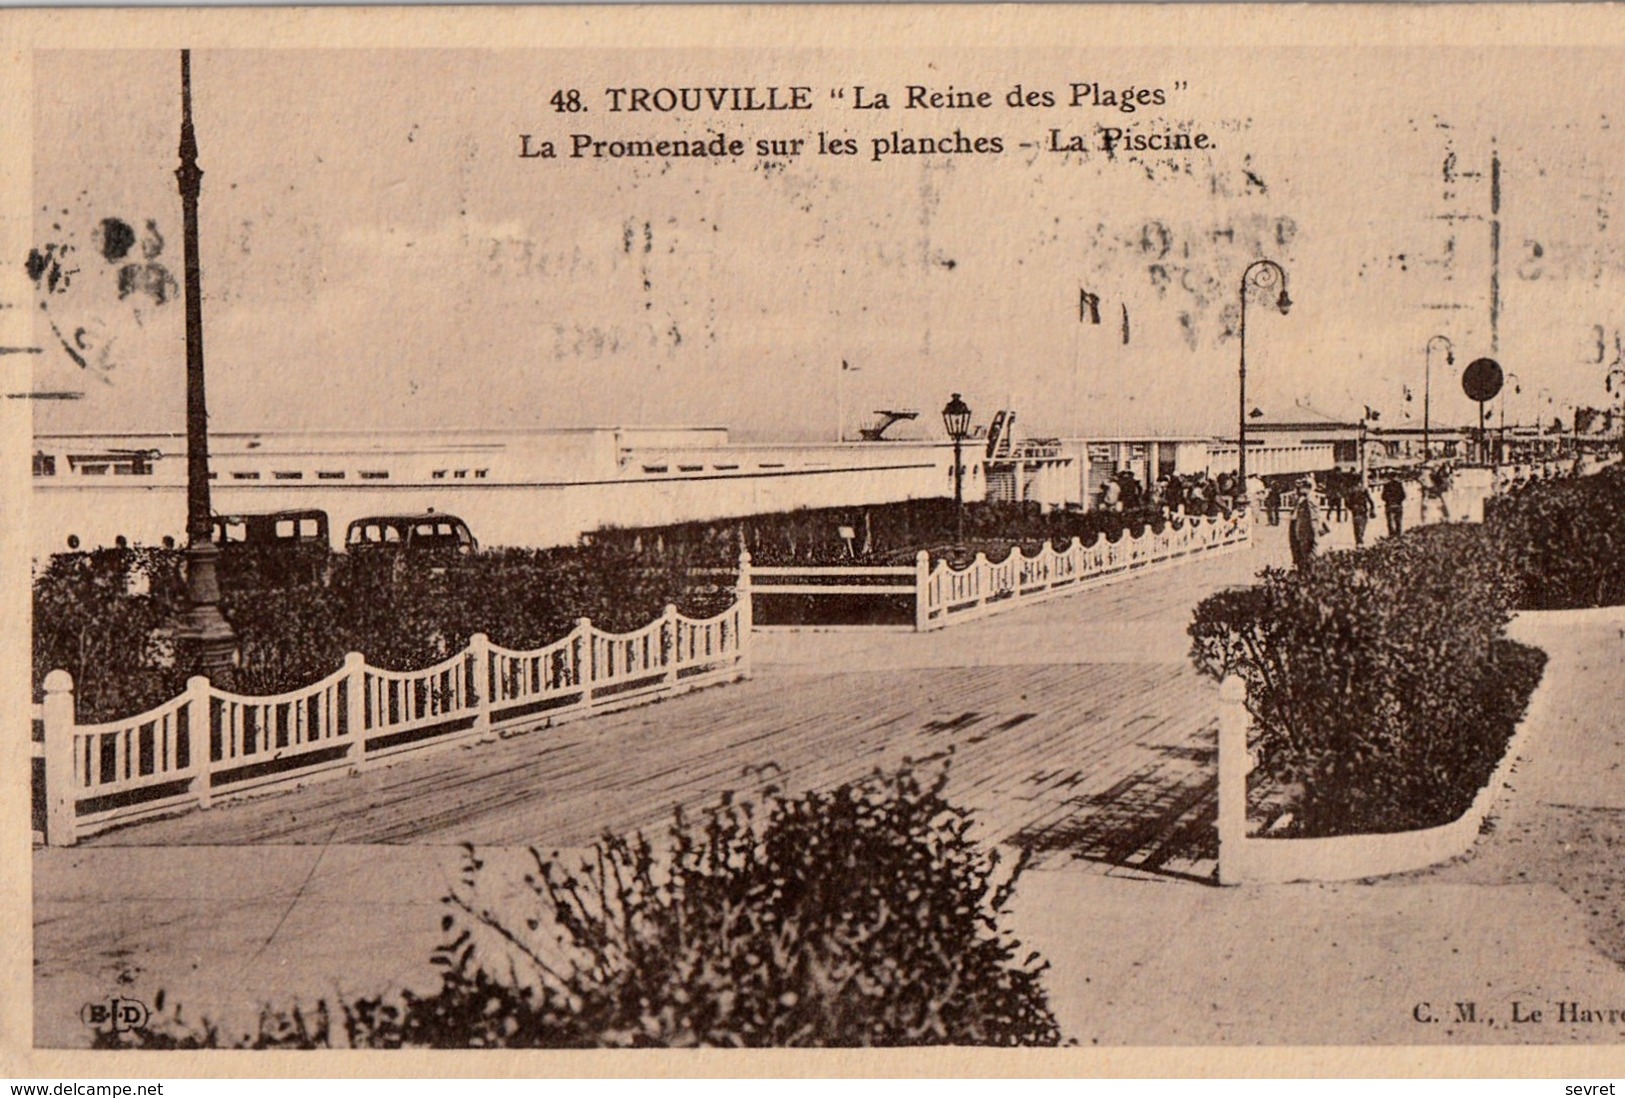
(1616, 386)
(1543, 408)
(1261, 273)
(1511, 387)
(1427, 389)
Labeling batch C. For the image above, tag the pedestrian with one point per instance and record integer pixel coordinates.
(1436, 491)
(1255, 494)
(1361, 510)
(1306, 526)
(1393, 502)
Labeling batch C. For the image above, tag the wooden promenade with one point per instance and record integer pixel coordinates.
(1076, 727)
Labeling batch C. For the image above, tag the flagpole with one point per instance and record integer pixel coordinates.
(840, 402)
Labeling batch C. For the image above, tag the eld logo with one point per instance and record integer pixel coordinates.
(115, 1015)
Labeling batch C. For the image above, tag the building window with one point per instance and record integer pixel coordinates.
(45, 465)
(245, 476)
(122, 463)
(461, 474)
(281, 475)
(479, 474)
(655, 468)
(330, 474)
(438, 474)
(374, 474)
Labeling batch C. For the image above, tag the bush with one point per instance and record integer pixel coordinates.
(1381, 683)
(882, 533)
(1566, 540)
(861, 916)
(108, 617)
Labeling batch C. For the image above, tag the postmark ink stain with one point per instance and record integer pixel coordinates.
(117, 239)
(46, 268)
(150, 279)
(153, 246)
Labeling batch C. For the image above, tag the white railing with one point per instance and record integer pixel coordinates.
(208, 744)
(864, 596)
(950, 594)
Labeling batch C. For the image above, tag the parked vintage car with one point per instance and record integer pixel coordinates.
(411, 533)
(277, 528)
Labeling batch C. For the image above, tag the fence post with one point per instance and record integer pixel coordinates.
(202, 740)
(922, 591)
(668, 645)
(479, 649)
(355, 703)
(984, 579)
(1234, 764)
(589, 672)
(61, 782)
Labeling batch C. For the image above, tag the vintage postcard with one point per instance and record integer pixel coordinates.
(1089, 537)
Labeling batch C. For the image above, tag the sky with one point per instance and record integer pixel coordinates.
(377, 253)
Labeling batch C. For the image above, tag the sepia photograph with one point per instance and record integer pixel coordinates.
(1083, 528)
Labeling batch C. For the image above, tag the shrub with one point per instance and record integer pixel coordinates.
(109, 617)
(865, 915)
(298, 610)
(1381, 683)
(882, 533)
(1566, 540)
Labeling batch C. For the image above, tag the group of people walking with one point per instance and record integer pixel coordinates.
(1309, 523)
(1173, 494)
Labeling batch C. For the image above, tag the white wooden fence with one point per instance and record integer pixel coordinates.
(209, 744)
(943, 594)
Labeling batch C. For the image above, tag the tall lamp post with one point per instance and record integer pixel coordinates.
(1616, 386)
(212, 641)
(1513, 387)
(1262, 273)
(1427, 390)
(956, 419)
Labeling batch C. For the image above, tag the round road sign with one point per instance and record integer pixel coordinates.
(1482, 379)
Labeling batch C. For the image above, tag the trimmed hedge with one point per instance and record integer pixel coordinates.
(884, 533)
(863, 916)
(1381, 682)
(1565, 539)
(108, 617)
